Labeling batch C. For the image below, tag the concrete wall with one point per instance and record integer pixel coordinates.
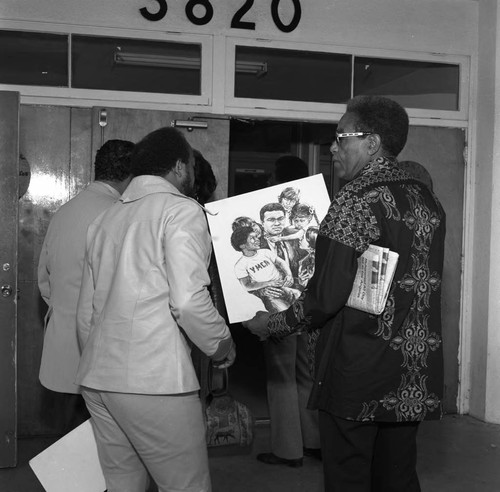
(492, 411)
(444, 26)
(484, 401)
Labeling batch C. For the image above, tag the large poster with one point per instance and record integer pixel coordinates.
(264, 243)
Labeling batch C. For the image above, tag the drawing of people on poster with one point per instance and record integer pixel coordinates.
(264, 244)
(262, 272)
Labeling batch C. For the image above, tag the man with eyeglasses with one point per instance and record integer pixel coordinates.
(376, 376)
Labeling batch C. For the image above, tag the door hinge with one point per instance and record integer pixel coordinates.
(103, 117)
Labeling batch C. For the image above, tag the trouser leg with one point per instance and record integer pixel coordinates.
(347, 448)
(308, 418)
(282, 397)
(395, 458)
(122, 468)
(368, 456)
(167, 434)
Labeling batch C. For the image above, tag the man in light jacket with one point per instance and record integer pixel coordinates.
(144, 291)
(60, 269)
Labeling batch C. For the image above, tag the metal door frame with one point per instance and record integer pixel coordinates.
(9, 198)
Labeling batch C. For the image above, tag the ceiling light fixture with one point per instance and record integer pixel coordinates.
(163, 61)
(189, 124)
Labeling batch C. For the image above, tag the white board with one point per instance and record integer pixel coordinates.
(71, 463)
(240, 303)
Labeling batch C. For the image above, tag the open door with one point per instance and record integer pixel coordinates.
(134, 124)
(9, 196)
(60, 145)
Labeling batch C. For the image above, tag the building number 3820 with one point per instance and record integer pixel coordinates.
(237, 21)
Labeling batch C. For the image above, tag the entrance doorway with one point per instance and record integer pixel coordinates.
(255, 145)
(60, 144)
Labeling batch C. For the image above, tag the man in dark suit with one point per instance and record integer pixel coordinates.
(272, 217)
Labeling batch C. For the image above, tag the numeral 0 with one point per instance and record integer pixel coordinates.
(295, 20)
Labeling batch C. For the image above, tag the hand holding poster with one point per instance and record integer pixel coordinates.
(264, 243)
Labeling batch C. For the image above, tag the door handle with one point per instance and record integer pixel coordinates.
(6, 290)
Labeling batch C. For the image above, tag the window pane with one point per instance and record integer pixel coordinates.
(29, 58)
(326, 168)
(136, 65)
(290, 75)
(413, 84)
(254, 146)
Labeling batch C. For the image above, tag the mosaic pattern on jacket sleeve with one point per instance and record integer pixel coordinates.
(350, 221)
(288, 322)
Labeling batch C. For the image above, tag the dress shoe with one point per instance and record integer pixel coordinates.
(313, 453)
(272, 459)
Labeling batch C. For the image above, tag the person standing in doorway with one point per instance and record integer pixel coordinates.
(60, 269)
(288, 168)
(144, 294)
(205, 184)
(377, 376)
(294, 428)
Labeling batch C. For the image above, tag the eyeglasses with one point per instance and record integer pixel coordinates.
(338, 136)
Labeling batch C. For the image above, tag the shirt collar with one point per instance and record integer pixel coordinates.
(142, 186)
(378, 163)
(105, 188)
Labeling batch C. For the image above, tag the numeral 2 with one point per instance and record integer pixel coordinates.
(237, 23)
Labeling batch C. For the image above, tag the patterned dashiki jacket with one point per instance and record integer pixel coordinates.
(389, 367)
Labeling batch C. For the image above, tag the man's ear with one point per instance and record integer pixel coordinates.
(374, 143)
(178, 167)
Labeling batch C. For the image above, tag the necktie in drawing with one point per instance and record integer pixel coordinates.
(280, 250)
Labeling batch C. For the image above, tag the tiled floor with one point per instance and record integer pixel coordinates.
(458, 454)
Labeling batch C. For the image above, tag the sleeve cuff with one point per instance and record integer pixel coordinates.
(223, 349)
